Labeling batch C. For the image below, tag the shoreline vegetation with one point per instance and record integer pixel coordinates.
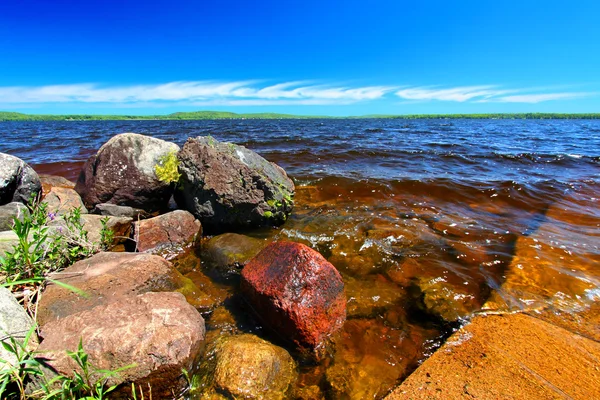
(204, 115)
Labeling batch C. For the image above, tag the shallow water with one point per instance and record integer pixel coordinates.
(428, 221)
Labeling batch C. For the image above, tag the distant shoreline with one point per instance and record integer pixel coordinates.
(207, 115)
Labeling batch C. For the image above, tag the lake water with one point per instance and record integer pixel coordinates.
(429, 222)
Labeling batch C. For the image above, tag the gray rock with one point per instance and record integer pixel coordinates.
(227, 186)
(18, 181)
(9, 212)
(114, 210)
(122, 172)
(229, 252)
(15, 323)
(8, 240)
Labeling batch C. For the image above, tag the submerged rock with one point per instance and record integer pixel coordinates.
(166, 233)
(245, 366)
(110, 277)
(157, 334)
(122, 172)
(18, 181)
(14, 323)
(227, 186)
(9, 212)
(229, 252)
(296, 292)
(446, 300)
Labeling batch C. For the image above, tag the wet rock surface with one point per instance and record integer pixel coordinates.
(122, 172)
(229, 187)
(110, 277)
(229, 252)
(296, 292)
(18, 181)
(507, 356)
(170, 232)
(9, 212)
(157, 334)
(245, 366)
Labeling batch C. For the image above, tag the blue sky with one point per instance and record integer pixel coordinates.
(305, 57)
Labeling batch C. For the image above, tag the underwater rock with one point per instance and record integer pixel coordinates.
(446, 300)
(296, 292)
(229, 187)
(245, 366)
(229, 252)
(18, 181)
(122, 172)
(156, 334)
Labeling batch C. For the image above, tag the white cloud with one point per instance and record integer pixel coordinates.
(539, 97)
(231, 93)
(485, 94)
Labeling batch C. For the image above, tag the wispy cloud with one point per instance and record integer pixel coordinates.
(485, 94)
(225, 93)
(257, 93)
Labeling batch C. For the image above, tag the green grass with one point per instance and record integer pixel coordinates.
(202, 115)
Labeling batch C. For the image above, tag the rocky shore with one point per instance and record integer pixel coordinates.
(184, 287)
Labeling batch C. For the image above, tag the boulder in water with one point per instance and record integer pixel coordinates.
(227, 186)
(123, 172)
(296, 292)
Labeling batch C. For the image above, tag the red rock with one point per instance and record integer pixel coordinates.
(296, 292)
(175, 229)
(158, 332)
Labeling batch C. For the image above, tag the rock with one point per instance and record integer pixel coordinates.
(18, 181)
(296, 292)
(108, 277)
(50, 181)
(158, 333)
(370, 358)
(227, 186)
(15, 323)
(9, 212)
(170, 232)
(8, 240)
(229, 252)
(245, 366)
(507, 357)
(558, 264)
(369, 297)
(63, 200)
(114, 210)
(122, 172)
(446, 300)
(120, 226)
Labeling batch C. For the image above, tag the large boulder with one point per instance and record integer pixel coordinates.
(109, 277)
(296, 292)
(18, 181)
(227, 186)
(9, 212)
(166, 234)
(247, 367)
(122, 172)
(157, 334)
(15, 323)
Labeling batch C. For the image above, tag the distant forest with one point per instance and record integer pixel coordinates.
(197, 115)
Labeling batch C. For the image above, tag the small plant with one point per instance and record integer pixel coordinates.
(107, 235)
(167, 168)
